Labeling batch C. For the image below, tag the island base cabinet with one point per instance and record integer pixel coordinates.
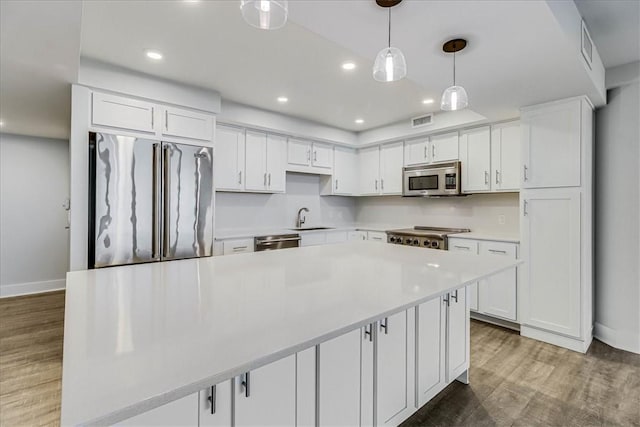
(267, 396)
(215, 406)
(431, 318)
(339, 362)
(182, 412)
(457, 333)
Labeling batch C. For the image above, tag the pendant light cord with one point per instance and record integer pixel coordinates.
(454, 66)
(389, 41)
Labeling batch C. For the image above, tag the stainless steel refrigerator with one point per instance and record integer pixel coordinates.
(148, 200)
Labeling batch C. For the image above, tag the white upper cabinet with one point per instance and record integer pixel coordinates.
(299, 152)
(310, 157)
(391, 168)
(505, 157)
(551, 247)
(265, 162)
(369, 166)
(475, 155)
(551, 142)
(416, 152)
(345, 171)
(120, 112)
(322, 155)
(444, 148)
(229, 159)
(187, 124)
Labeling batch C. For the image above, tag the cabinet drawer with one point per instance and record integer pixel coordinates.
(508, 250)
(463, 245)
(121, 112)
(313, 239)
(187, 124)
(237, 246)
(377, 236)
(336, 236)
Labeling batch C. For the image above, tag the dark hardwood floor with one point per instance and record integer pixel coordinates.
(514, 380)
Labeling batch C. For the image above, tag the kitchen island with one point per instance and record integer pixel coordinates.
(292, 336)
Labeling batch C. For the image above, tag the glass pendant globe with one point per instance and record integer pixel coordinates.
(390, 65)
(454, 98)
(265, 14)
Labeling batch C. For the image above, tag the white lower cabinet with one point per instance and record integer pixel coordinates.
(215, 405)
(339, 376)
(337, 236)
(468, 246)
(182, 412)
(430, 349)
(237, 246)
(267, 396)
(498, 296)
(313, 239)
(357, 235)
(377, 236)
(457, 333)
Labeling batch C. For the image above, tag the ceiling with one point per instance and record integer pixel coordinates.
(614, 26)
(508, 63)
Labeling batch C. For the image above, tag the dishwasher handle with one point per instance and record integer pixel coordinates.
(275, 241)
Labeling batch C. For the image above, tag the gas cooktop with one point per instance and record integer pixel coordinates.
(423, 236)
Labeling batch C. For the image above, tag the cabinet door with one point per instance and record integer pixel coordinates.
(306, 374)
(182, 412)
(391, 368)
(298, 152)
(430, 336)
(366, 372)
(322, 155)
(550, 230)
(255, 161)
(391, 168)
(229, 158)
(416, 152)
(267, 395)
(369, 165)
(377, 236)
(313, 239)
(469, 246)
(187, 124)
(551, 152)
(339, 380)
(457, 334)
(475, 155)
(498, 292)
(357, 235)
(237, 246)
(276, 163)
(121, 112)
(505, 157)
(336, 236)
(215, 406)
(345, 171)
(444, 148)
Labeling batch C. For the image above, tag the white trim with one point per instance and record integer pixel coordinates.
(623, 340)
(28, 288)
(574, 344)
(495, 321)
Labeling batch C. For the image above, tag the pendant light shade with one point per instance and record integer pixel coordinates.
(265, 14)
(454, 97)
(390, 65)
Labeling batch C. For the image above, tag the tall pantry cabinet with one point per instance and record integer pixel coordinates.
(556, 204)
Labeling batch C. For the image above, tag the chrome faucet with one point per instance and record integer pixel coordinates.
(301, 219)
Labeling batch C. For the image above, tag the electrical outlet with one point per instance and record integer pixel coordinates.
(501, 219)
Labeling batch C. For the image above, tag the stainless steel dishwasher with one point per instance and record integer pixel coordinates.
(279, 241)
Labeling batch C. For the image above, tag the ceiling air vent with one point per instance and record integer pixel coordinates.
(425, 120)
(587, 45)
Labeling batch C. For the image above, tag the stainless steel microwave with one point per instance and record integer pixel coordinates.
(441, 179)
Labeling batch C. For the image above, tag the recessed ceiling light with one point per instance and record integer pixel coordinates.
(428, 101)
(153, 54)
(283, 99)
(348, 65)
(359, 121)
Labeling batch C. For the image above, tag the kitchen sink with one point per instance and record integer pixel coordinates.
(311, 228)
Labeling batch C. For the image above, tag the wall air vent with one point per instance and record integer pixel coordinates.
(587, 45)
(425, 120)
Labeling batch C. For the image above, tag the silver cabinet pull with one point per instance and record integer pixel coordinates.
(445, 299)
(455, 296)
(425, 151)
(156, 203)
(308, 155)
(166, 119)
(486, 177)
(368, 331)
(525, 211)
(239, 248)
(153, 113)
(382, 184)
(526, 175)
(240, 177)
(376, 184)
(462, 247)
(212, 399)
(269, 180)
(336, 183)
(245, 383)
(497, 176)
(264, 181)
(496, 251)
(433, 151)
(315, 156)
(385, 325)
(167, 196)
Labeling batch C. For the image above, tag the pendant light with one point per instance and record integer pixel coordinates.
(454, 97)
(390, 64)
(265, 14)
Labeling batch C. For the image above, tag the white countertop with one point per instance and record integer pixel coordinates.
(242, 233)
(137, 337)
(490, 235)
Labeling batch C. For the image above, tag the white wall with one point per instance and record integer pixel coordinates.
(34, 248)
(479, 212)
(276, 211)
(617, 219)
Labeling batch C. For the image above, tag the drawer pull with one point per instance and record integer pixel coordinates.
(462, 247)
(239, 248)
(496, 251)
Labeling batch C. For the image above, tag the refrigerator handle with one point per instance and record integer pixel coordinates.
(167, 200)
(156, 203)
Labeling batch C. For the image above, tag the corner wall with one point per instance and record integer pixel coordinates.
(34, 244)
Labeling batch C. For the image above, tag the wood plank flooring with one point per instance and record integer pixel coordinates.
(515, 381)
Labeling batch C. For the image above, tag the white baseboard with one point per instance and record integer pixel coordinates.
(623, 340)
(16, 289)
(495, 321)
(581, 346)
